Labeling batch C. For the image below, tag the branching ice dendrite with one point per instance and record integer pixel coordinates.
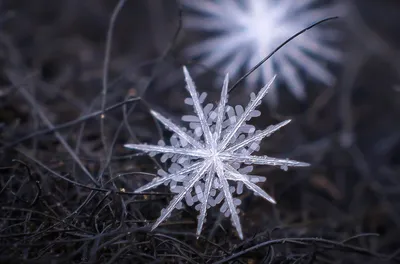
(209, 155)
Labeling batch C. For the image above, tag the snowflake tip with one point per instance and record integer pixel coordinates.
(129, 146)
(300, 164)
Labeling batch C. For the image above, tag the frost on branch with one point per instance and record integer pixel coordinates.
(210, 162)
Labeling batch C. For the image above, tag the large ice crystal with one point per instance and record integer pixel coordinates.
(212, 154)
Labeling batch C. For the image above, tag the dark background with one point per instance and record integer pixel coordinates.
(53, 140)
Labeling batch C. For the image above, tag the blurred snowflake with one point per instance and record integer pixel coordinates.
(245, 31)
(208, 154)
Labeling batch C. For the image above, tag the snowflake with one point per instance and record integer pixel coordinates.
(210, 153)
(245, 31)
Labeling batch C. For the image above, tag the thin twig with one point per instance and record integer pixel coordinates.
(107, 54)
(69, 123)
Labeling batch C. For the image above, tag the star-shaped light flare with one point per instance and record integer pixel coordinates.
(240, 33)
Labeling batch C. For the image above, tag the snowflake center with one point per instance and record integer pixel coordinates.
(214, 154)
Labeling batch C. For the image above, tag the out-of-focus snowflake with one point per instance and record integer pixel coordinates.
(245, 31)
(210, 153)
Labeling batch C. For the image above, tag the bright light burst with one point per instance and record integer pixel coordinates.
(209, 155)
(245, 31)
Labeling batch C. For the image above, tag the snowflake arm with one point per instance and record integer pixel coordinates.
(221, 107)
(236, 176)
(204, 202)
(161, 149)
(168, 124)
(228, 197)
(265, 133)
(265, 160)
(170, 177)
(250, 107)
(196, 103)
(165, 213)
